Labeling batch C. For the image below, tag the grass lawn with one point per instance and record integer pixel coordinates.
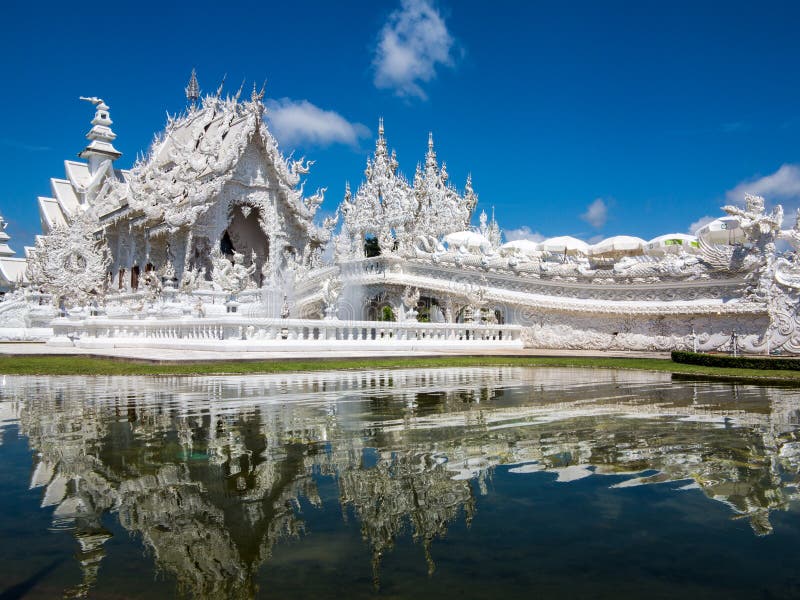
(79, 365)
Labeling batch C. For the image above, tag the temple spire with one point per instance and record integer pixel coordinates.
(100, 136)
(193, 90)
(430, 157)
(380, 144)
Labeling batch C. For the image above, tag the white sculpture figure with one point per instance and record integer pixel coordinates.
(386, 241)
(199, 308)
(228, 276)
(477, 300)
(410, 301)
(761, 229)
(331, 290)
(191, 280)
(167, 274)
(151, 282)
(70, 262)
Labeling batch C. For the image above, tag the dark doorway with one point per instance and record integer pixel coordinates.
(226, 244)
(135, 277)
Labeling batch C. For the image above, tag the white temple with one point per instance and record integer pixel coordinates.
(210, 241)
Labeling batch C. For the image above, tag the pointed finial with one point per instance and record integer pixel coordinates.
(221, 85)
(430, 157)
(380, 143)
(255, 95)
(193, 89)
(239, 91)
(100, 136)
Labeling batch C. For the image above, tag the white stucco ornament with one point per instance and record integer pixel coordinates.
(70, 263)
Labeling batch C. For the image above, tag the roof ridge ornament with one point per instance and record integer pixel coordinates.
(193, 90)
(258, 96)
(221, 85)
(239, 91)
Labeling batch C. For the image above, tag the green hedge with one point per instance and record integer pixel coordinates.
(736, 362)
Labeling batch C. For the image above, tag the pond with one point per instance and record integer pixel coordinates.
(418, 483)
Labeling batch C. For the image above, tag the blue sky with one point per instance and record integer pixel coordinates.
(582, 118)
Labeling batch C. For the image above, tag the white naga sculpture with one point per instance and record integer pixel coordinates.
(212, 225)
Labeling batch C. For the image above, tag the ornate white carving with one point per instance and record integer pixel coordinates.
(230, 276)
(70, 263)
(331, 290)
(400, 215)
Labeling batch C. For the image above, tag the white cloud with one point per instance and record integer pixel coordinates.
(412, 43)
(298, 121)
(522, 233)
(596, 213)
(781, 186)
(699, 223)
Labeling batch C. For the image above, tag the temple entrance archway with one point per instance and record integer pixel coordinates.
(380, 309)
(429, 310)
(245, 235)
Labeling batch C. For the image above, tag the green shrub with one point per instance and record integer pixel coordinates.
(736, 362)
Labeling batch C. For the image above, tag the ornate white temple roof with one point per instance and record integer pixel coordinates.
(51, 214)
(190, 162)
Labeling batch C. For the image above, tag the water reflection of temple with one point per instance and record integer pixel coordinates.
(211, 472)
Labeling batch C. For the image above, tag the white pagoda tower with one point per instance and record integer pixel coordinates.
(12, 269)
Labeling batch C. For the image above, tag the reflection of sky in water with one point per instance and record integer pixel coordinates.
(457, 482)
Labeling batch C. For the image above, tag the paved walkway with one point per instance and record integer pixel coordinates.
(165, 355)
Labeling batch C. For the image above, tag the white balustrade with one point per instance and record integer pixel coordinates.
(241, 333)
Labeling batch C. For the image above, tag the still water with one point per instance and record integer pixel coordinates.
(432, 483)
